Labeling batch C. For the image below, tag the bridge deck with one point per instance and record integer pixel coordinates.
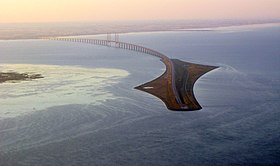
(174, 87)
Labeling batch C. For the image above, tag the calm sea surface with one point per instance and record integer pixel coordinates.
(86, 112)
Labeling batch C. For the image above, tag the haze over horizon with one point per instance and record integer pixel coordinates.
(14, 11)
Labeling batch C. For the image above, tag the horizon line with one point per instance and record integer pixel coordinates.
(144, 20)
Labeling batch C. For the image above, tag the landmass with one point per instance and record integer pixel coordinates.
(46, 30)
(14, 77)
(175, 86)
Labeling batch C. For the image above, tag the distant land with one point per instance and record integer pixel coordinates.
(40, 30)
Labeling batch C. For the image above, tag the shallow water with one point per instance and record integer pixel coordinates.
(238, 124)
(61, 85)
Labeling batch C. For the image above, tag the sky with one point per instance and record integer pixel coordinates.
(13, 11)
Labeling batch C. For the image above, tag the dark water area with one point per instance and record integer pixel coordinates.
(238, 125)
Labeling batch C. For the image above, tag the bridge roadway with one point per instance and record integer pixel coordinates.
(164, 87)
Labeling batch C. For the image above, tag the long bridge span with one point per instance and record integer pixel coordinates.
(116, 44)
(174, 87)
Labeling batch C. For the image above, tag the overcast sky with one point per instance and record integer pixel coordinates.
(108, 10)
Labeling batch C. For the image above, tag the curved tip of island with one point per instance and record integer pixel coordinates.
(175, 86)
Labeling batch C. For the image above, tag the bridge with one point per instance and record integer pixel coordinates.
(174, 87)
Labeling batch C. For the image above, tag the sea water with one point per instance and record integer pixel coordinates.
(86, 112)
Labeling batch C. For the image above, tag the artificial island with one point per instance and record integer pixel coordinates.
(14, 77)
(174, 87)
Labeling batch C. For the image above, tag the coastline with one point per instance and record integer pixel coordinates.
(24, 32)
(101, 120)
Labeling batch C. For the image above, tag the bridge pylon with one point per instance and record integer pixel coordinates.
(113, 38)
(109, 39)
(117, 40)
